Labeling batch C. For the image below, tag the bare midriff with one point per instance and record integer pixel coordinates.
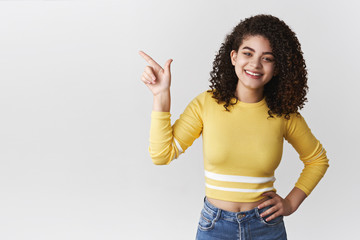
(235, 206)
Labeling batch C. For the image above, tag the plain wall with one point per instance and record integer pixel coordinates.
(75, 117)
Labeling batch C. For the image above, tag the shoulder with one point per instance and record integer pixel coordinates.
(296, 124)
(204, 97)
(293, 118)
(200, 102)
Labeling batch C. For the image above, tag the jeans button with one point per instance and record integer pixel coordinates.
(240, 216)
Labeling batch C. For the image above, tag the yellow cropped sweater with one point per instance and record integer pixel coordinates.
(241, 148)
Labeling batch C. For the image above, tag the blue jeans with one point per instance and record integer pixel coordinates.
(219, 224)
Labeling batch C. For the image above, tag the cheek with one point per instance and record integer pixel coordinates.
(238, 69)
(240, 64)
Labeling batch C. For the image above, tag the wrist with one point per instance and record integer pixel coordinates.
(162, 101)
(295, 198)
(163, 93)
(291, 205)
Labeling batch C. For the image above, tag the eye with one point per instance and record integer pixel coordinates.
(268, 59)
(247, 54)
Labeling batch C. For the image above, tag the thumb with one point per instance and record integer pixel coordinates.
(167, 66)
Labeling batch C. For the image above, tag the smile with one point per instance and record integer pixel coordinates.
(252, 73)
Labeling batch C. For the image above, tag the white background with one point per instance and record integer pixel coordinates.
(75, 117)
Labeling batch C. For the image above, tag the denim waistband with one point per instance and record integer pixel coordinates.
(232, 216)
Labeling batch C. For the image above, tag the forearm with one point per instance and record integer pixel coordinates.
(295, 198)
(162, 150)
(162, 102)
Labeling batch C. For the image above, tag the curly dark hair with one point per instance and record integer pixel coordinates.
(284, 93)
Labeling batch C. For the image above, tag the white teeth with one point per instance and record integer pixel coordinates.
(254, 74)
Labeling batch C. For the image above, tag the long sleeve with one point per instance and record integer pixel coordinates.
(311, 152)
(168, 142)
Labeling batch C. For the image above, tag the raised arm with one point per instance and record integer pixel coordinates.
(162, 147)
(167, 142)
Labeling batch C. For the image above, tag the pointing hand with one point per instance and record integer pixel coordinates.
(156, 78)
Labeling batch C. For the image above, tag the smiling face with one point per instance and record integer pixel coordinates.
(254, 63)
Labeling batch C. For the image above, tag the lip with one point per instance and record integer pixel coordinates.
(252, 76)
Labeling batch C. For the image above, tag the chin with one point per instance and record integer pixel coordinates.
(254, 86)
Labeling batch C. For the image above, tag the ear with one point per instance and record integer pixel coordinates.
(233, 55)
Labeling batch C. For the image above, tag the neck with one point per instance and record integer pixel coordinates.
(249, 95)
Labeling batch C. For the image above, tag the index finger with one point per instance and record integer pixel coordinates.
(149, 60)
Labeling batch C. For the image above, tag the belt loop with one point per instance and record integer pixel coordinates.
(218, 214)
(257, 212)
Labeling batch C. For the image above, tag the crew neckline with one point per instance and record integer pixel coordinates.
(249, 105)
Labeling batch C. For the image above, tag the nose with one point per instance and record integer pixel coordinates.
(255, 63)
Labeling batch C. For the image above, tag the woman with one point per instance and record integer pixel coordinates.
(258, 84)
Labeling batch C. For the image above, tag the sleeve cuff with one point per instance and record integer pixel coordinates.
(303, 188)
(160, 115)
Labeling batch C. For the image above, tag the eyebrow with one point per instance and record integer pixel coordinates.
(249, 48)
